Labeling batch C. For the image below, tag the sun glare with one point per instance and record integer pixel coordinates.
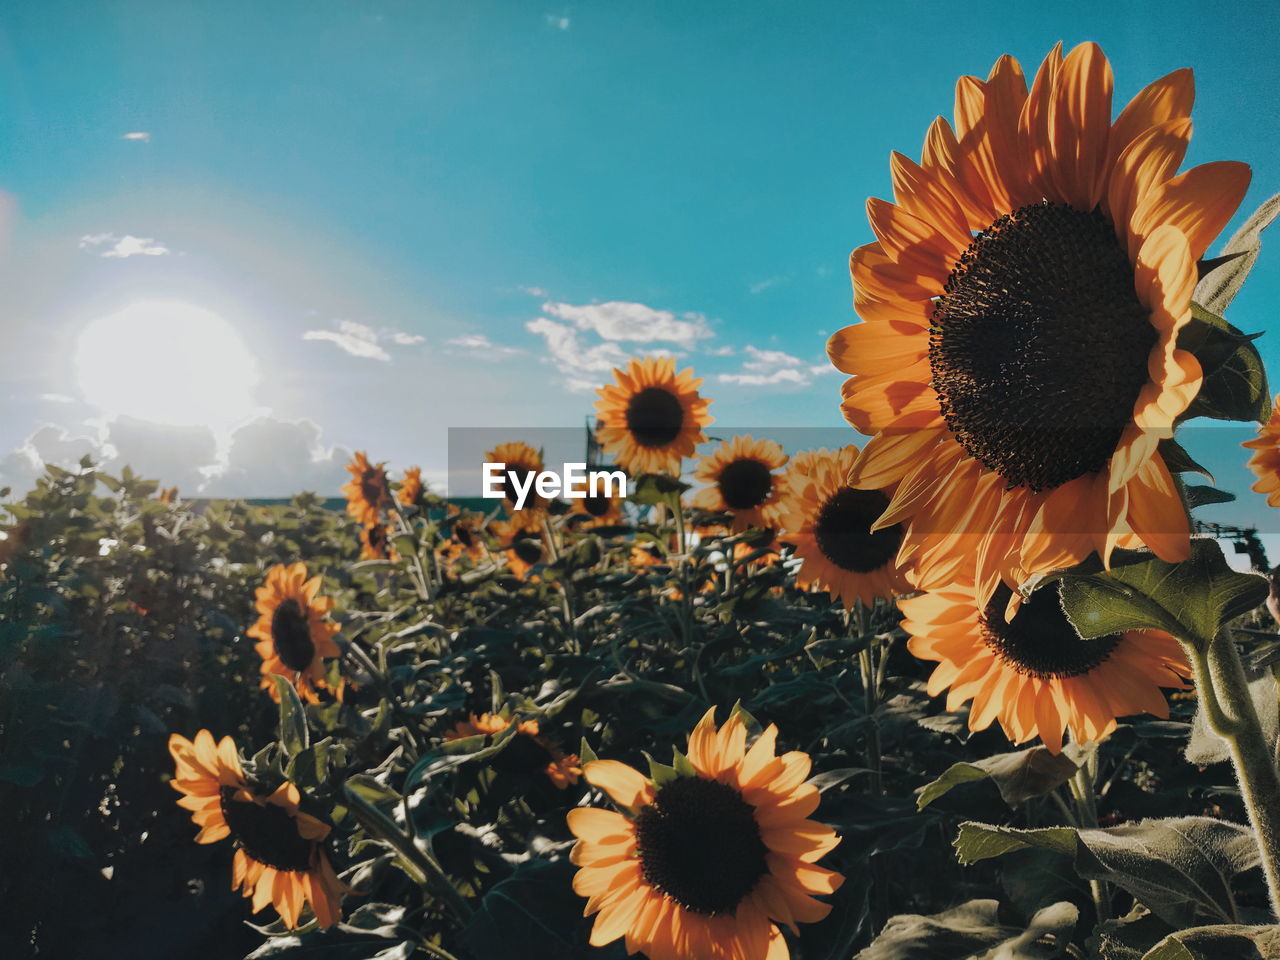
(167, 362)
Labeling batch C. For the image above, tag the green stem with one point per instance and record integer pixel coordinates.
(1083, 792)
(1228, 708)
(423, 868)
(871, 697)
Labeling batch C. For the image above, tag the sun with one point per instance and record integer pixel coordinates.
(167, 362)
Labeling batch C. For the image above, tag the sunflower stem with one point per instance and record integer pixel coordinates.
(1228, 708)
(871, 697)
(1083, 791)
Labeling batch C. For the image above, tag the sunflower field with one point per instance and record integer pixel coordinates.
(973, 687)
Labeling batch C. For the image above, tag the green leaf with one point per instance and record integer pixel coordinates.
(1178, 460)
(1219, 942)
(1200, 496)
(972, 931)
(1219, 285)
(294, 737)
(1018, 776)
(653, 489)
(1235, 380)
(1181, 868)
(981, 841)
(1191, 600)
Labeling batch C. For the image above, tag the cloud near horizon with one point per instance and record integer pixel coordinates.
(362, 340)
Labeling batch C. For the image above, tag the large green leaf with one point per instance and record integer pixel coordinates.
(1191, 600)
(1180, 868)
(1222, 942)
(1227, 272)
(1235, 379)
(972, 931)
(1018, 776)
(293, 718)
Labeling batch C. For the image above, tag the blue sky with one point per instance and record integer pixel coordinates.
(366, 192)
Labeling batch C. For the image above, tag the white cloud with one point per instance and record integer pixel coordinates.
(56, 398)
(770, 368)
(143, 136)
(760, 286)
(585, 368)
(558, 21)
(362, 340)
(481, 347)
(725, 351)
(264, 458)
(539, 292)
(119, 247)
(620, 320)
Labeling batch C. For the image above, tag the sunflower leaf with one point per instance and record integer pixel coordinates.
(293, 718)
(1199, 495)
(1235, 380)
(1218, 942)
(1181, 868)
(1019, 776)
(972, 930)
(1191, 600)
(1227, 272)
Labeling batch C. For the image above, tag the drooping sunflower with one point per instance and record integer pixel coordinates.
(465, 538)
(1033, 672)
(522, 460)
(1017, 361)
(293, 633)
(706, 865)
(375, 543)
(1265, 461)
(651, 418)
(829, 523)
(523, 547)
(741, 479)
(367, 492)
(411, 487)
(528, 752)
(280, 855)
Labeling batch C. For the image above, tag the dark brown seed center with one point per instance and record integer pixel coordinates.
(266, 833)
(1038, 347)
(745, 484)
(1040, 641)
(843, 531)
(291, 635)
(654, 417)
(700, 845)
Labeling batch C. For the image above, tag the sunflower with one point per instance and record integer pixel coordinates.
(411, 488)
(375, 543)
(652, 417)
(168, 496)
(710, 863)
(1017, 361)
(292, 633)
(741, 480)
(523, 547)
(1033, 672)
(645, 555)
(527, 753)
(522, 460)
(602, 511)
(280, 855)
(367, 492)
(829, 523)
(1265, 462)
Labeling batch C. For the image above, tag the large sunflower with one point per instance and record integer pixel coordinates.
(292, 631)
(829, 523)
(280, 857)
(708, 864)
(1033, 672)
(1265, 461)
(528, 752)
(741, 480)
(1017, 363)
(367, 491)
(522, 460)
(652, 417)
